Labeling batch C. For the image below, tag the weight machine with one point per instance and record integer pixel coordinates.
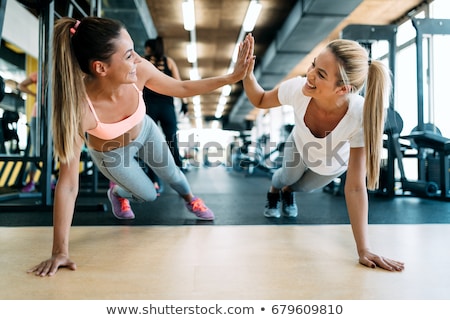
(366, 35)
(423, 138)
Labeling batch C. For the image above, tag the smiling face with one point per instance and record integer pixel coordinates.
(322, 76)
(121, 67)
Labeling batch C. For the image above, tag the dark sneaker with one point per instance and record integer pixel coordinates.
(197, 207)
(272, 209)
(121, 208)
(288, 205)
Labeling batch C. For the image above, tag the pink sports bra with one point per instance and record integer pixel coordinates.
(107, 131)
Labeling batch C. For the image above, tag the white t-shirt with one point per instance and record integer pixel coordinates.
(328, 155)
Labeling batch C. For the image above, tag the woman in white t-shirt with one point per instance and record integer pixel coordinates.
(336, 131)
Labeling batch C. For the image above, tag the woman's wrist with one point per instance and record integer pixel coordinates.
(363, 250)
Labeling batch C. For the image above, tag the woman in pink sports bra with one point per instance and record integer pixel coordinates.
(97, 99)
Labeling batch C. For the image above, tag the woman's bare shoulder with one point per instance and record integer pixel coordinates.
(88, 120)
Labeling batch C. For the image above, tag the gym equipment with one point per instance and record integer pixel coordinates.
(441, 146)
(366, 35)
(423, 138)
(263, 157)
(2, 88)
(393, 128)
(8, 132)
(46, 15)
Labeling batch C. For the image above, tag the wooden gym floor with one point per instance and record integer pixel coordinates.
(227, 262)
(165, 254)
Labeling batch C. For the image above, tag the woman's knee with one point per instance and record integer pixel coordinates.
(303, 189)
(148, 196)
(280, 179)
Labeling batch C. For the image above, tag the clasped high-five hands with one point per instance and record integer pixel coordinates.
(245, 60)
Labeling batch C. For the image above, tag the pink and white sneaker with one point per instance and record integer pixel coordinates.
(121, 208)
(198, 207)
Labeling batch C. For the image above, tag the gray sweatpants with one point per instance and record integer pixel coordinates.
(121, 166)
(296, 174)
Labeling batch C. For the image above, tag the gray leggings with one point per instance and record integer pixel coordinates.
(295, 173)
(121, 166)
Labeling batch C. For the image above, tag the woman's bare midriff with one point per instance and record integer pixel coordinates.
(121, 141)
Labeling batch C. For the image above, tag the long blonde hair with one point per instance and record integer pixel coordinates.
(75, 46)
(358, 71)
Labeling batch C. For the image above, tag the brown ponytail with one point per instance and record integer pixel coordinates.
(68, 92)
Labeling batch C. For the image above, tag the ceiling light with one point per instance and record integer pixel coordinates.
(226, 90)
(193, 74)
(219, 112)
(188, 14)
(235, 52)
(223, 100)
(191, 49)
(199, 123)
(196, 100)
(253, 12)
(220, 106)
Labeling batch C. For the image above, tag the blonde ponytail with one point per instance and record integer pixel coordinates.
(356, 70)
(376, 102)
